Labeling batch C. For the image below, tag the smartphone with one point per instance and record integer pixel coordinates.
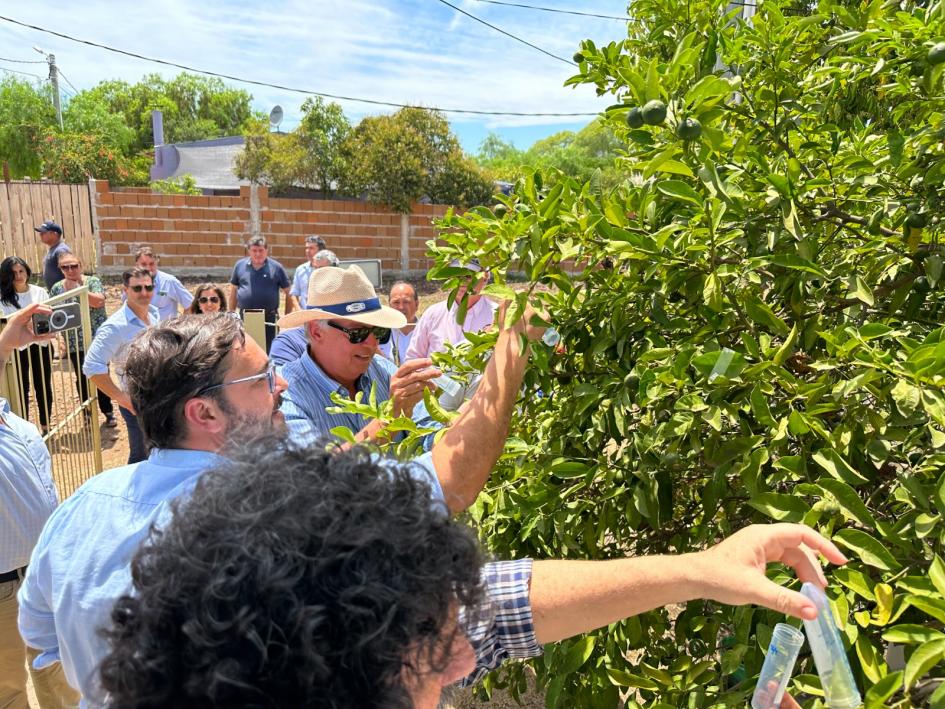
(62, 317)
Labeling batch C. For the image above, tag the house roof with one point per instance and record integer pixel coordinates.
(210, 162)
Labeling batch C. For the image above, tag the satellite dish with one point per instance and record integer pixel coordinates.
(275, 117)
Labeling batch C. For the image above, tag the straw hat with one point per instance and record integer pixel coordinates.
(343, 294)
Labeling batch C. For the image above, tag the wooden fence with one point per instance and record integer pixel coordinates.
(24, 205)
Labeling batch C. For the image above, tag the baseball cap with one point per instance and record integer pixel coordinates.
(48, 226)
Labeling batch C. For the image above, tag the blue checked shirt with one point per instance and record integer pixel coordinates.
(305, 402)
(27, 492)
(504, 628)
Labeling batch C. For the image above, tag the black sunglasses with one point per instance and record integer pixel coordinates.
(206, 299)
(359, 334)
(138, 289)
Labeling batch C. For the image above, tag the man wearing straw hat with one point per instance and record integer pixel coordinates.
(345, 322)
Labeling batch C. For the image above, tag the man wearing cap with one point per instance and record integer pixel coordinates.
(437, 326)
(345, 322)
(170, 296)
(299, 291)
(255, 285)
(50, 234)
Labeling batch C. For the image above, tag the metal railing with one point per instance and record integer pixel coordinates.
(51, 392)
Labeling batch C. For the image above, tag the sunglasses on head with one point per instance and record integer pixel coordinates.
(138, 289)
(208, 299)
(358, 335)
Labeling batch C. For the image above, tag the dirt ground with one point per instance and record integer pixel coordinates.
(115, 453)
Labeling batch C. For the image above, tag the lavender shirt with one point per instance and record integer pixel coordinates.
(437, 327)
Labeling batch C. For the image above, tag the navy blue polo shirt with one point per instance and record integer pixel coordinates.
(51, 271)
(259, 287)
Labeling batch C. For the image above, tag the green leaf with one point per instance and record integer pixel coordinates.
(925, 657)
(759, 407)
(500, 291)
(934, 607)
(849, 501)
(871, 661)
(833, 463)
(869, 549)
(712, 293)
(856, 581)
(761, 313)
(578, 653)
(877, 695)
(626, 679)
(911, 634)
(677, 189)
(783, 508)
(797, 263)
(937, 574)
(786, 347)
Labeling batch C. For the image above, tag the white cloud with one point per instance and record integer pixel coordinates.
(402, 51)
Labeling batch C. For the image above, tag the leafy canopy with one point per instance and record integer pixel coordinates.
(751, 329)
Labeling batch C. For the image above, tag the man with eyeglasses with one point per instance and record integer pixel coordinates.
(345, 323)
(110, 345)
(199, 384)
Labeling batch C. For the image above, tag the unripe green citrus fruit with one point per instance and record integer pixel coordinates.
(654, 112)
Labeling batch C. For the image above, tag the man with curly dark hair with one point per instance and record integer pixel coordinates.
(337, 584)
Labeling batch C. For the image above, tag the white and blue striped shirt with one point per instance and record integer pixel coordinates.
(305, 402)
(27, 492)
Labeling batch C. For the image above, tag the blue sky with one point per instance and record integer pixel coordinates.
(403, 51)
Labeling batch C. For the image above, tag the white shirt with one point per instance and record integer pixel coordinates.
(35, 294)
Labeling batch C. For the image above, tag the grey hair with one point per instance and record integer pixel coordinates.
(329, 256)
(256, 241)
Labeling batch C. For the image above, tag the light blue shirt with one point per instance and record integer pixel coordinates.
(300, 282)
(110, 344)
(81, 563)
(169, 295)
(27, 492)
(305, 402)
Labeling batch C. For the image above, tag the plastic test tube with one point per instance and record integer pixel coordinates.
(786, 643)
(452, 397)
(836, 678)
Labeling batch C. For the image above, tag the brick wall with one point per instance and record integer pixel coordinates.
(202, 235)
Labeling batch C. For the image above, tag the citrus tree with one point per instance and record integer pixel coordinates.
(750, 331)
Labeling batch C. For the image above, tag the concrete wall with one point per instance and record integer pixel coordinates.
(203, 235)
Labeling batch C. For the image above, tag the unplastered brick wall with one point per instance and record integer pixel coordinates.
(202, 235)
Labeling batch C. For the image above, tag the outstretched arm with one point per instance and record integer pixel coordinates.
(464, 456)
(573, 597)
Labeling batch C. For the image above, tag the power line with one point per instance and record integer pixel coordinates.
(74, 89)
(23, 61)
(508, 34)
(554, 9)
(24, 73)
(290, 89)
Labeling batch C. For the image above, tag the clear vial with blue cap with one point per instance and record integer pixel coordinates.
(786, 643)
(833, 667)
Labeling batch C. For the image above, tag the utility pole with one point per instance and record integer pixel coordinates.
(54, 80)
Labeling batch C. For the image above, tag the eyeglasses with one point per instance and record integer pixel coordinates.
(68, 266)
(269, 374)
(138, 289)
(359, 334)
(208, 299)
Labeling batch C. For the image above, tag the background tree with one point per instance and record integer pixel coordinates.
(321, 135)
(751, 329)
(403, 157)
(579, 155)
(194, 107)
(26, 112)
